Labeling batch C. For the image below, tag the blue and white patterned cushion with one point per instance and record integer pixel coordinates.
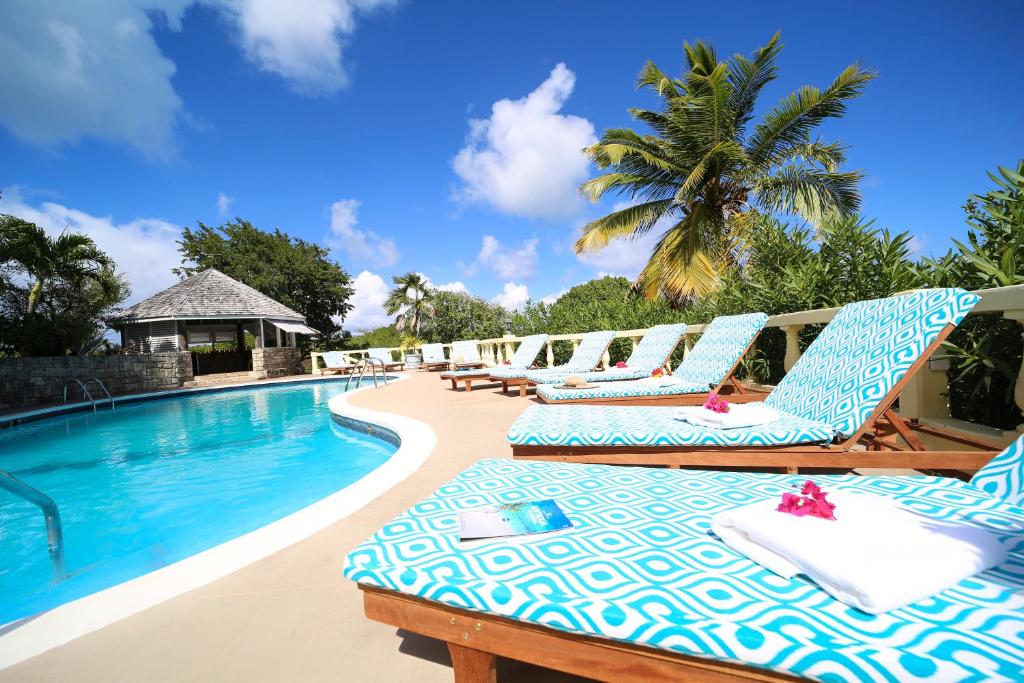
(468, 372)
(1003, 476)
(651, 352)
(381, 354)
(433, 353)
(866, 349)
(528, 350)
(468, 350)
(587, 354)
(640, 566)
(508, 372)
(718, 350)
(335, 359)
(646, 426)
(640, 388)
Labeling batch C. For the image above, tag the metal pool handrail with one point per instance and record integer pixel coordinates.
(361, 366)
(54, 532)
(103, 387)
(85, 392)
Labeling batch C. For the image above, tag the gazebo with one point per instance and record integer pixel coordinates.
(203, 311)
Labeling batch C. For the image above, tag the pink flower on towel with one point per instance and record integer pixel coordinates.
(621, 364)
(716, 403)
(811, 501)
(506, 362)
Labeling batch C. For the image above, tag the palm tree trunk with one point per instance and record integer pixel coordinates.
(34, 294)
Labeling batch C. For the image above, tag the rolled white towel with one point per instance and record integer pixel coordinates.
(875, 556)
(663, 381)
(739, 415)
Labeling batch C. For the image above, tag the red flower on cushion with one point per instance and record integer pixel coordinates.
(716, 403)
(811, 501)
(621, 364)
(506, 362)
(657, 372)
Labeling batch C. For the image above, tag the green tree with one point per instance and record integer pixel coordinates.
(707, 170)
(71, 256)
(287, 269)
(412, 299)
(381, 336)
(458, 315)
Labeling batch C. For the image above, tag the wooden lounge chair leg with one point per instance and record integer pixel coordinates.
(522, 389)
(455, 385)
(473, 666)
(792, 470)
(469, 385)
(504, 387)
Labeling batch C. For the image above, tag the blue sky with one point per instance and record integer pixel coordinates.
(444, 137)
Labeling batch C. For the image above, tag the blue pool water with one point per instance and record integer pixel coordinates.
(154, 482)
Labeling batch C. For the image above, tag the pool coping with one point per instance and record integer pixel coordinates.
(33, 636)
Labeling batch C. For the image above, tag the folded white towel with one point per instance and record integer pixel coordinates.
(663, 381)
(875, 555)
(739, 415)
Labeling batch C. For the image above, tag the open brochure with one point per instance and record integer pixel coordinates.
(512, 519)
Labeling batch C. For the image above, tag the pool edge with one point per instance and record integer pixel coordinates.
(74, 619)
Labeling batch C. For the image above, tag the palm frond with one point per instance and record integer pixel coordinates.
(632, 222)
(810, 193)
(748, 78)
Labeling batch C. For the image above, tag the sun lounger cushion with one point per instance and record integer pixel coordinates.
(1003, 476)
(640, 388)
(468, 350)
(334, 359)
(863, 352)
(718, 350)
(640, 567)
(467, 373)
(588, 425)
(382, 354)
(433, 353)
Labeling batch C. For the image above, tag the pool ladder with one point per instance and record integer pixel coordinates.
(54, 532)
(85, 391)
(361, 366)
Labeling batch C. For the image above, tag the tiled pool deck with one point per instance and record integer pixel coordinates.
(292, 616)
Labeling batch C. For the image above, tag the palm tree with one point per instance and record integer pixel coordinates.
(412, 299)
(706, 171)
(71, 256)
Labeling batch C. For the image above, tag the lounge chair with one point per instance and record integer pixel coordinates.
(651, 353)
(384, 356)
(523, 358)
(335, 363)
(639, 590)
(836, 405)
(585, 357)
(708, 366)
(464, 355)
(433, 357)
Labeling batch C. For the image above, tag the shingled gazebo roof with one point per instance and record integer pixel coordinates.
(209, 294)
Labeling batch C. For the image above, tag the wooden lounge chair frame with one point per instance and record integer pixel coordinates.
(467, 382)
(730, 386)
(476, 639)
(874, 442)
(436, 365)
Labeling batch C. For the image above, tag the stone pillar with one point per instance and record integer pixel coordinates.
(550, 357)
(792, 346)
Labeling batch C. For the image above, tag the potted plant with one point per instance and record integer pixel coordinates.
(409, 347)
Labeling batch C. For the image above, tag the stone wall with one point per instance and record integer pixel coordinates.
(25, 382)
(276, 362)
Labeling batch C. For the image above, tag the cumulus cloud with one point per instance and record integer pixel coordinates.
(74, 70)
(224, 203)
(506, 262)
(370, 293)
(526, 159)
(456, 286)
(513, 296)
(145, 249)
(363, 246)
(553, 297)
(626, 257)
(299, 40)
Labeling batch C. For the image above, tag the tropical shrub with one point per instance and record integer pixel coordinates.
(458, 315)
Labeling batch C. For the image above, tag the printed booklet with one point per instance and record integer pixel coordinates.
(512, 519)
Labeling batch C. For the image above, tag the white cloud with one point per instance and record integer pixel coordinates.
(74, 70)
(456, 286)
(513, 296)
(553, 297)
(144, 249)
(224, 203)
(508, 262)
(370, 293)
(527, 159)
(363, 246)
(81, 69)
(623, 256)
(301, 41)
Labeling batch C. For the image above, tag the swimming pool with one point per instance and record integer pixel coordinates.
(155, 482)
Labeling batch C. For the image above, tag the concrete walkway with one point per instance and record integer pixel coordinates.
(292, 616)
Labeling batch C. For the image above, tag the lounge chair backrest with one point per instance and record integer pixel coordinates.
(469, 350)
(433, 353)
(334, 359)
(381, 354)
(587, 354)
(718, 350)
(657, 345)
(860, 356)
(528, 350)
(1003, 476)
